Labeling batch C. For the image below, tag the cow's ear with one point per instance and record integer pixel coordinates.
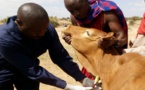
(107, 41)
(109, 36)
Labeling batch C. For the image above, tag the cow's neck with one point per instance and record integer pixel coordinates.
(104, 63)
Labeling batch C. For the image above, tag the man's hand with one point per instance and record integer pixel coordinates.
(67, 38)
(88, 82)
(72, 87)
(131, 42)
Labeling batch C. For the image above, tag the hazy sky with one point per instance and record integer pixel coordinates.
(56, 7)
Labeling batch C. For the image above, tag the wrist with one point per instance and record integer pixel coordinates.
(67, 86)
(81, 81)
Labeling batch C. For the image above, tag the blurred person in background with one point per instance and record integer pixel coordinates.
(137, 44)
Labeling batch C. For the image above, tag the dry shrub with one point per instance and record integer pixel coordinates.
(54, 21)
(4, 20)
(131, 22)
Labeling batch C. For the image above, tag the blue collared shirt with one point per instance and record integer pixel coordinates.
(22, 54)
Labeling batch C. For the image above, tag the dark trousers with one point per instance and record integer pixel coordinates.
(9, 79)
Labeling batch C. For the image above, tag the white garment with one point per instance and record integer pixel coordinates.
(73, 87)
(138, 45)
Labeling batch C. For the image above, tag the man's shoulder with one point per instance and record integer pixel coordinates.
(3, 30)
(2, 26)
(51, 29)
(4, 35)
(111, 12)
(110, 15)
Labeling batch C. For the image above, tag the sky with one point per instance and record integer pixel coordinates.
(56, 7)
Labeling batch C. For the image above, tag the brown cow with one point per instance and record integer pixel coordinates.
(117, 72)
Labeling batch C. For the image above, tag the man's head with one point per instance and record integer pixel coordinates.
(32, 20)
(78, 8)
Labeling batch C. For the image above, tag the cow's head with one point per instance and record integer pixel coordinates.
(86, 40)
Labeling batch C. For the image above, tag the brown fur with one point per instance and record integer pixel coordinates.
(117, 72)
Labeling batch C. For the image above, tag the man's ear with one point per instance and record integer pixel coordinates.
(19, 22)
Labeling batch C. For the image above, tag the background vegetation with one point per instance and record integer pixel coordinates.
(131, 20)
(54, 20)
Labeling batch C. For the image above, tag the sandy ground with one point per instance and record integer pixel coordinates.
(51, 67)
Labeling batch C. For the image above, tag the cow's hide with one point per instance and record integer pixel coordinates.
(117, 72)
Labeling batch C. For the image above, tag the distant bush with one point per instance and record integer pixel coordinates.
(54, 21)
(4, 20)
(55, 24)
(127, 18)
(65, 18)
(131, 22)
(134, 18)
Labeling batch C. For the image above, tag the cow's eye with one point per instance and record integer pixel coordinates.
(88, 33)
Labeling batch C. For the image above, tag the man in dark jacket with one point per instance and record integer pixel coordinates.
(25, 37)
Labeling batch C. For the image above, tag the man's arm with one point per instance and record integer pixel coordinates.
(60, 56)
(27, 65)
(115, 25)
